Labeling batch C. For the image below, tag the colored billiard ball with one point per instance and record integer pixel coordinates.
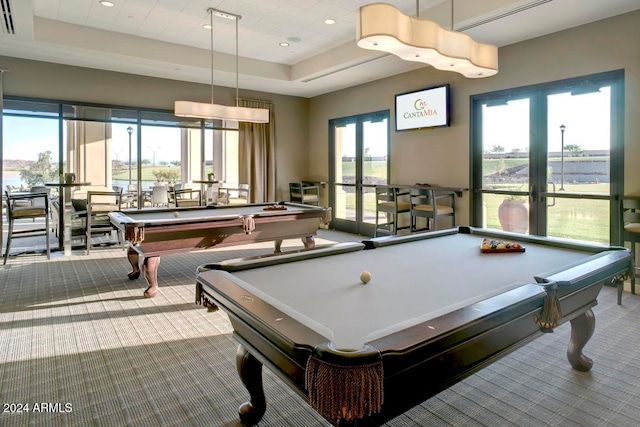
(176, 214)
(365, 276)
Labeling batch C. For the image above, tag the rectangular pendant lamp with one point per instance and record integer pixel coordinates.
(202, 110)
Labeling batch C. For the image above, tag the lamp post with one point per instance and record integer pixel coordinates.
(129, 131)
(562, 128)
(154, 153)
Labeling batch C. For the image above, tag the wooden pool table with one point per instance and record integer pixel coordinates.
(153, 232)
(435, 311)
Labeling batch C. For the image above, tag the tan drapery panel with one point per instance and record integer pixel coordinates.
(257, 154)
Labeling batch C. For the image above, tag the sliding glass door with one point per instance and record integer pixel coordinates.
(579, 163)
(359, 160)
(548, 160)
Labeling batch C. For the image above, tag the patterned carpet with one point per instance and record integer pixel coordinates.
(78, 339)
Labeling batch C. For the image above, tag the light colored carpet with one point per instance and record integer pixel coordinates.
(75, 332)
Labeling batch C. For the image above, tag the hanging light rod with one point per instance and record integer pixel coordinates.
(382, 27)
(201, 110)
(223, 14)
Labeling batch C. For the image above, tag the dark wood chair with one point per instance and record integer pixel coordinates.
(27, 206)
(99, 204)
(631, 232)
(391, 202)
(432, 205)
(187, 198)
(304, 193)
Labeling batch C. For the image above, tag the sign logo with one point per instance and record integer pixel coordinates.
(421, 110)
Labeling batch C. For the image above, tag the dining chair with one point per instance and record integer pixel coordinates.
(234, 194)
(187, 197)
(99, 204)
(631, 232)
(39, 189)
(26, 206)
(210, 194)
(433, 205)
(391, 203)
(159, 195)
(304, 193)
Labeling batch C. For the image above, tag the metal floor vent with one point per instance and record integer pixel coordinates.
(7, 17)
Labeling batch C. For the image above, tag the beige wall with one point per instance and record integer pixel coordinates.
(60, 82)
(442, 156)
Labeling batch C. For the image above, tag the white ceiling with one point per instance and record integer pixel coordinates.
(166, 38)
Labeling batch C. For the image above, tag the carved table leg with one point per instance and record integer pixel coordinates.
(133, 258)
(150, 268)
(278, 244)
(250, 370)
(309, 242)
(582, 328)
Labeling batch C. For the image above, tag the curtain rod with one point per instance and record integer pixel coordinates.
(256, 100)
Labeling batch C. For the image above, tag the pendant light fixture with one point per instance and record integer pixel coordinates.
(202, 110)
(383, 27)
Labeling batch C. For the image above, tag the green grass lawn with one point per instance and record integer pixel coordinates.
(376, 169)
(580, 219)
(147, 172)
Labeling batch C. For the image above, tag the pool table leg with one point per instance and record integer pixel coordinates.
(582, 328)
(250, 370)
(150, 268)
(133, 258)
(308, 242)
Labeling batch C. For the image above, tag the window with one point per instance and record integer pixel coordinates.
(113, 146)
(548, 159)
(359, 149)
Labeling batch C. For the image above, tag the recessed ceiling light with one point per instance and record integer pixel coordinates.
(207, 26)
(107, 3)
(329, 21)
(284, 44)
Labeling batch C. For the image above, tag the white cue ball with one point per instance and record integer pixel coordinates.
(176, 214)
(365, 276)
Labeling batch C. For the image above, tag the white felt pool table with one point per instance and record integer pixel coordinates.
(435, 310)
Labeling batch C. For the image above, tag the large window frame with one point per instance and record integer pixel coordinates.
(70, 115)
(540, 194)
(354, 203)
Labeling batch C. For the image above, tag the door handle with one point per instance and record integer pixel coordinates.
(553, 184)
